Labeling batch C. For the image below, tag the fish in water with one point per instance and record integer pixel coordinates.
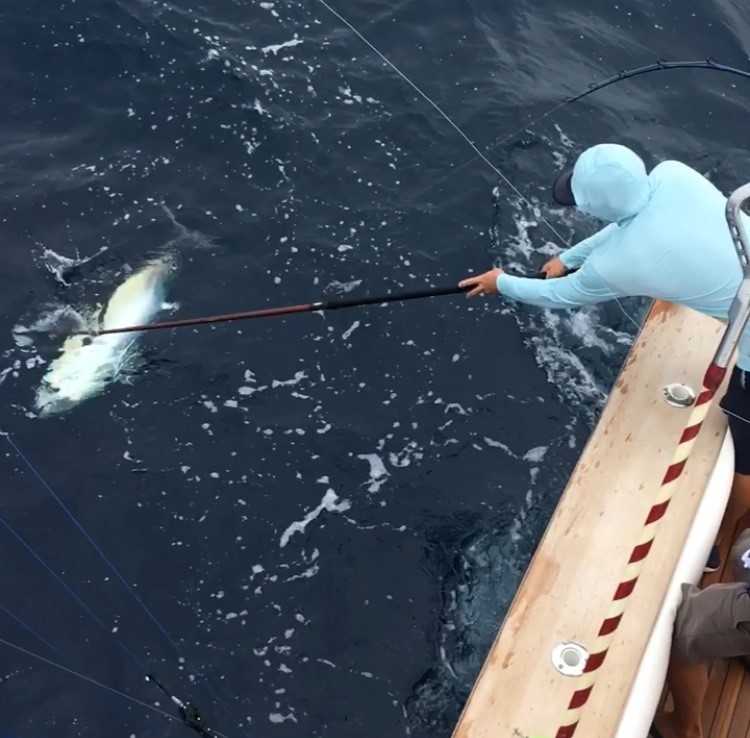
(87, 365)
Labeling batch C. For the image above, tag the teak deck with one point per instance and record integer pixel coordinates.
(567, 589)
(726, 709)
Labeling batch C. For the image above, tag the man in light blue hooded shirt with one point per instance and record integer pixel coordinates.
(667, 238)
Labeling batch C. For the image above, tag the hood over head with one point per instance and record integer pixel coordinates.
(610, 182)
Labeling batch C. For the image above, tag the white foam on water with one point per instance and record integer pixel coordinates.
(576, 350)
(492, 443)
(61, 318)
(343, 287)
(298, 377)
(536, 455)
(378, 473)
(550, 331)
(329, 503)
(346, 335)
(86, 366)
(276, 48)
(565, 140)
(60, 266)
(412, 451)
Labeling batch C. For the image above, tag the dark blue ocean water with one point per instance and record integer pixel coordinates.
(330, 515)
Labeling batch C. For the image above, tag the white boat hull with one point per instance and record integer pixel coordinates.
(646, 692)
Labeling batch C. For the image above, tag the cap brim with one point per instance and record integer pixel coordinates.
(562, 190)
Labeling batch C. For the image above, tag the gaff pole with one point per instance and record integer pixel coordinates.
(309, 307)
(277, 312)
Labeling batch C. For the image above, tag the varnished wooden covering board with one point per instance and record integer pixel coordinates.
(567, 589)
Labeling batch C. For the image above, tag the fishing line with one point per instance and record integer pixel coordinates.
(440, 110)
(635, 323)
(30, 466)
(734, 415)
(29, 629)
(137, 661)
(91, 680)
(465, 136)
(81, 603)
(626, 74)
(658, 66)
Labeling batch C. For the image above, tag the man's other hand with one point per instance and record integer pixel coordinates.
(484, 284)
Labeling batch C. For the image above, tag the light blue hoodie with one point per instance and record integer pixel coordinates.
(668, 239)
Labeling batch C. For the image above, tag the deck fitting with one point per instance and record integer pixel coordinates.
(570, 658)
(679, 395)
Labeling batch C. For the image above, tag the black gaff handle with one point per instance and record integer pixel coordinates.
(404, 296)
(396, 297)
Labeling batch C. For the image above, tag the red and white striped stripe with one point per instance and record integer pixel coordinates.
(711, 382)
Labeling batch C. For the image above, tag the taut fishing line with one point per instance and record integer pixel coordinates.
(96, 683)
(137, 661)
(85, 678)
(466, 137)
(21, 623)
(658, 66)
(442, 112)
(626, 74)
